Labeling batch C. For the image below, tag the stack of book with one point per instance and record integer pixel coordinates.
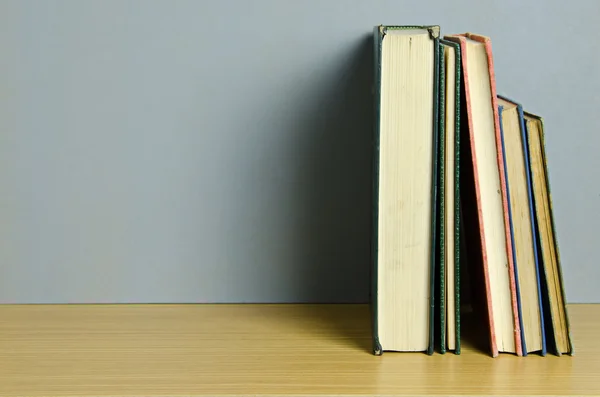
(460, 187)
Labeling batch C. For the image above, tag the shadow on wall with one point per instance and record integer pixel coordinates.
(335, 143)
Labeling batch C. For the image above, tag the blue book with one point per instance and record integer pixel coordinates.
(523, 226)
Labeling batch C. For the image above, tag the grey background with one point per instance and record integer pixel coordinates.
(219, 151)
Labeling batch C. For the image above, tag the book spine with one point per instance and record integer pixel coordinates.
(436, 65)
(457, 217)
(441, 154)
(378, 37)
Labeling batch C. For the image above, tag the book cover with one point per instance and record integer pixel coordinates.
(477, 228)
(379, 34)
(440, 285)
(378, 40)
(454, 213)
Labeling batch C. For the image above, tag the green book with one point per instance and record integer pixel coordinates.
(405, 187)
(448, 281)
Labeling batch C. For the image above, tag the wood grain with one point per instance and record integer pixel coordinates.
(193, 350)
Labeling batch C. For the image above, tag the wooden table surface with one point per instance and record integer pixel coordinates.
(190, 350)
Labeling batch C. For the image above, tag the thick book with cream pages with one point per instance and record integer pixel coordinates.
(405, 184)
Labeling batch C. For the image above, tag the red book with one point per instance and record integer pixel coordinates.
(484, 198)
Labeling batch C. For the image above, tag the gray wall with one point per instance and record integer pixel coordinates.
(219, 151)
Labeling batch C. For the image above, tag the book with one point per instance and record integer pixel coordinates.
(405, 187)
(484, 196)
(449, 197)
(521, 215)
(553, 291)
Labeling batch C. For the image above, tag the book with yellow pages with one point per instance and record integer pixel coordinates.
(553, 292)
